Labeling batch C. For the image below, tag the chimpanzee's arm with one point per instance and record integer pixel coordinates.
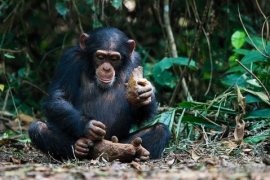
(63, 115)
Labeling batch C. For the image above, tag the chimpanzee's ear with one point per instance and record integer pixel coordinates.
(82, 38)
(132, 46)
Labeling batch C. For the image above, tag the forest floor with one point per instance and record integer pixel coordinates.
(221, 160)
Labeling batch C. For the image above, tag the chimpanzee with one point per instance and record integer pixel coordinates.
(87, 100)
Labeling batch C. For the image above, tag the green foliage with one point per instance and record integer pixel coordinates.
(238, 39)
(61, 9)
(166, 78)
(9, 56)
(116, 3)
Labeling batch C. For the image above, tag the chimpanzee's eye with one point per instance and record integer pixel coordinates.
(100, 57)
(114, 58)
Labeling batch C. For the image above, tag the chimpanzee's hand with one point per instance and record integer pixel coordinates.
(95, 131)
(142, 94)
(81, 147)
(141, 153)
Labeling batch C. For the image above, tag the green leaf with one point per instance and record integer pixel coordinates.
(9, 56)
(241, 51)
(165, 118)
(193, 105)
(255, 139)
(241, 69)
(92, 4)
(116, 3)
(21, 72)
(252, 99)
(166, 77)
(231, 79)
(253, 56)
(61, 9)
(2, 86)
(253, 82)
(260, 95)
(238, 39)
(256, 40)
(198, 121)
(258, 114)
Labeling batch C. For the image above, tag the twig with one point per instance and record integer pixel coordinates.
(253, 75)
(173, 50)
(35, 86)
(5, 119)
(12, 51)
(209, 120)
(73, 151)
(138, 44)
(267, 25)
(211, 62)
(6, 99)
(14, 104)
(192, 51)
(249, 35)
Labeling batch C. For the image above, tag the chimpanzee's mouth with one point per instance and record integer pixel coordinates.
(105, 81)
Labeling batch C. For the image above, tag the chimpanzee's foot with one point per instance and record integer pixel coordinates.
(141, 153)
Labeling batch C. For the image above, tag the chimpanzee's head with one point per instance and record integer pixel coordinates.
(109, 49)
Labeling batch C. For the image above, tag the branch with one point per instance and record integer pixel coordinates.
(192, 51)
(173, 49)
(253, 75)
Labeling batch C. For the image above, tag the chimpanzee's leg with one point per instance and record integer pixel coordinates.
(154, 139)
(50, 140)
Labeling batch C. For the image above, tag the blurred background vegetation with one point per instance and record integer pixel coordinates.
(33, 35)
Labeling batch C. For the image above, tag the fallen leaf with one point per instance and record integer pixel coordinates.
(239, 129)
(136, 165)
(170, 163)
(230, 144)
(195, 156)
(15, 161)
(93, 162)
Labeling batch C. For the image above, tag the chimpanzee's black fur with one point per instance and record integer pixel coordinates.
(75, 99)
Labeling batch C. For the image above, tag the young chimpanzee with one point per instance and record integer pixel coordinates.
(87, 100)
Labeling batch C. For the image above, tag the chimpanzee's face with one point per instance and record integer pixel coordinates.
(105, 64)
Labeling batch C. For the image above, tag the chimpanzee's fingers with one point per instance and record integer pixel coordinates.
(81, 144)
(78, 153)
(98, 124)
(144, 89)
(81, 149)
(97, 130)
(143, 82)
(114, 139)
(95, 137)
(144, 158)
(137, 142)
(90, 143)
(146, 95)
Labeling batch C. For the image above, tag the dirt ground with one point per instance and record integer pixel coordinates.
(223, 160)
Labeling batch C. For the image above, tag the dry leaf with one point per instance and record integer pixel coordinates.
(240, 99)
(15, 161)
(93, 162)
(230, 144)
(136, 165)
(239, 129)
(195, 156)
(170, 163)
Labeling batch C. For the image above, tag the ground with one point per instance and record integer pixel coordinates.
(221, 160)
